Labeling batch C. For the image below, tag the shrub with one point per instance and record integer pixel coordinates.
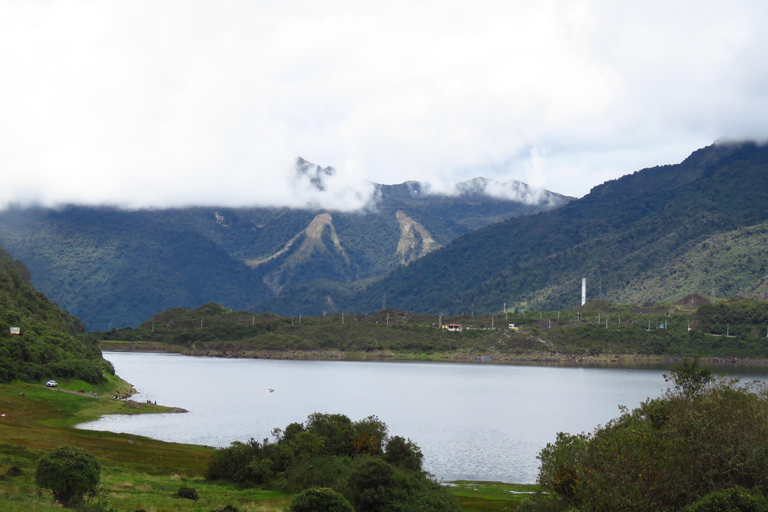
(729, 500)
(226, 508)
(320, 500)
(14, 471)
(188, 493)
(404, 454)
(697, 440)
(87, 370)
(70, 473)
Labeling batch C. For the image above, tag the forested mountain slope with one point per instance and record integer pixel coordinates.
(657, 234)
(21, 305)
(43, 346)
(115, 267)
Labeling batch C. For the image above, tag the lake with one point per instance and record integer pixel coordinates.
(472, 421)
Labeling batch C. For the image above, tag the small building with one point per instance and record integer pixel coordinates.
(15, 330)
(513, 327)
(453, 327)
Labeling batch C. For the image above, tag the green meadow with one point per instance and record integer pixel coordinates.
(140, 473)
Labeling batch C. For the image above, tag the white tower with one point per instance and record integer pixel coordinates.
(583, 290)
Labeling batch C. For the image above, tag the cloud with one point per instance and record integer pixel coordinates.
(172, 103)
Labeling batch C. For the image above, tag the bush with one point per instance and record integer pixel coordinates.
(70, 473)
(332, 452)
(373, 485)
(14, 471)
(729, 500)
(226, 508)
(669, 452)
(87, 370)
(320, 500)
(404, 454)
(188, 493)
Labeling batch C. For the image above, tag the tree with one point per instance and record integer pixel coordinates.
(321, 499)
(404, 454)
(373, 485)
(689, 377)
(669, 452)
(70, 473)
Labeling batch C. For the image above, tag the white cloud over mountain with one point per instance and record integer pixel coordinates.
(173, 103)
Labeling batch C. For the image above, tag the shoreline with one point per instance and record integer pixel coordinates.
(461, 357)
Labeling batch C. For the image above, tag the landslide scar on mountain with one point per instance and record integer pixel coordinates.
(415, 241)
(310, 242)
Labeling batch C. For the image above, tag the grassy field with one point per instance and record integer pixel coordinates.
(140, 473)
(490, 496)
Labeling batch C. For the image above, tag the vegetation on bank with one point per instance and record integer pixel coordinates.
(701, 447)
(596, 331)
(358, 460)
(136, 473)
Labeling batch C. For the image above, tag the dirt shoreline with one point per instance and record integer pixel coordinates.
(125, 398)
(534, 358)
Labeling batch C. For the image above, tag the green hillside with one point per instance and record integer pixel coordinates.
(597, 332)
(44, 346)
(657, 234)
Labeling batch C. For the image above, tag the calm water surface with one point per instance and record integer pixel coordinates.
(478, 422)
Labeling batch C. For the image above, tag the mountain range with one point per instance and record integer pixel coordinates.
(659, 234)
(114, 267)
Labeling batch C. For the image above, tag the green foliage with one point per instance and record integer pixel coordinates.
(320, 500)
(87, 370)
(403, 453)
(728, 500)
(374, 485)
(189, 493)
(561, 465)
(689, 377)
(45, 347)
(746, 317)
(668, 453)
(71, 474)
(327, 452)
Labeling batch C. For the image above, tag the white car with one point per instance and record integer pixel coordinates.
(51, 383)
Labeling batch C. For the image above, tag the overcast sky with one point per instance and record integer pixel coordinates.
(168, 103)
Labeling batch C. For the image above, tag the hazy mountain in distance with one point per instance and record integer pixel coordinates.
(114, 267)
